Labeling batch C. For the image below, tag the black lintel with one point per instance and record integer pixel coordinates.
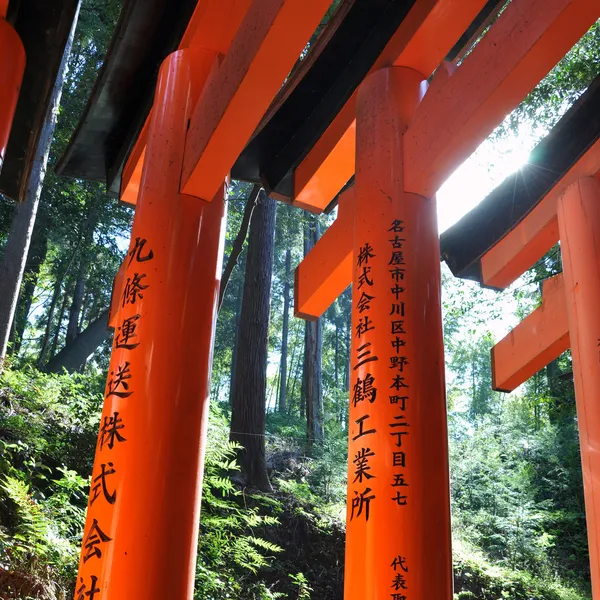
(299, 119)
(464, 244)
(146, 33)
(43, 26)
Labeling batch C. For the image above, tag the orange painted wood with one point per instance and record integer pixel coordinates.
(132, 171)
(526, 41)
(398, 515)
(115, 298)
(532, 344)
(535, 235)
(268, 43)
(326, 270)
(212, 28)
(422, 41)
(579, 226)
(12, 67)
(154, 465)
(3, 8)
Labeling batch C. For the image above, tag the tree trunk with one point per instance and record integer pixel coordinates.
(37, 255)
(238, 315)
(76, 352)
(61, 316)
(49, 321)
(19, 238)
(87, 237)
(249, 389)
(313, 386)
(284, 334)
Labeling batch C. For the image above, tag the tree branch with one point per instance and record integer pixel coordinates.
(238, 243)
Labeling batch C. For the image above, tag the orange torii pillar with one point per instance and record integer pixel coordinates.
(579, 228)
(12, 67)
(567, 317)
(141, 532)
(398, 543)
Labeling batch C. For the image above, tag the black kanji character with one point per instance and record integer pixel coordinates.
(364, 389)
(397, 343)
(363, 278)
(125, 332)
(399, 561)
(397, 290)
(364, 302)
(364, 254)
(364, 325)
(136, 251)
(397, 258)
(399, 499)
(109, 434)
(398, 326)
(397, 309)
(397, 226)
(133, 289)
(361, 502)
(399, 480)
(397, 274)
(361, 460)
(397, 242)
(92, 541)
(399, 582)
(360, 422)
(364, 355)
(401, 400)
(398, 435)
(119, 379)
(398, 459)
(100, 486)
(82, 592)
(398, 362)
(399, 382)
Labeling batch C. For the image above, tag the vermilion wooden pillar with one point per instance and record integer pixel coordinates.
(141, 533)
(12, 67)
(579, 227)
(398, 520)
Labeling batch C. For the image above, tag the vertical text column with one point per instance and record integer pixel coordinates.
(398, 516)
(579, 227)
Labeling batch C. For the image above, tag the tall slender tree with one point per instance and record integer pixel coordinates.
(16, 250)
(248, 412)
(284, 334)
(313, 347)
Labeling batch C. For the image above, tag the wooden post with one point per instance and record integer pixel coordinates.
(142, 527)
(579, 227)
(398, 516)
(12, 67)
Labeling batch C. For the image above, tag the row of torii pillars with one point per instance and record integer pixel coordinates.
(141, 532)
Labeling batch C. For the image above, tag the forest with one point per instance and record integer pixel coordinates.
(273, 508)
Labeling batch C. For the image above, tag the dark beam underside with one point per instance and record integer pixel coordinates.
(146, 33)
(43, 26)
(464, 244)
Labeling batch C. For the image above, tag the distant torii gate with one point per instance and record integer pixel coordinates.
(142, 526)
(568, 317)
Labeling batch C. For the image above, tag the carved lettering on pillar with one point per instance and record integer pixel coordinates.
(120, 390)
(364, 390)
(399, 584)
(399, 387)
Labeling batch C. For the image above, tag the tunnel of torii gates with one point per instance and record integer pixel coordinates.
(362, 113)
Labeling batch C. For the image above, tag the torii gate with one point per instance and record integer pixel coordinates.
(143, 514)
(385, 242)
(567, 318)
